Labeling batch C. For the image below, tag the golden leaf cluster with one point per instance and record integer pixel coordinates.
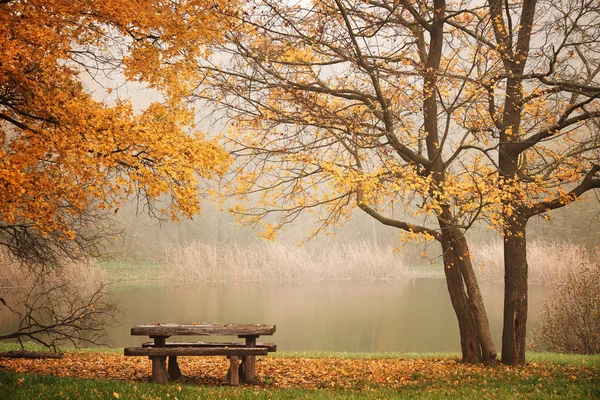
(63, 152)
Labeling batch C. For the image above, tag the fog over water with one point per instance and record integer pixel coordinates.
(412, 316)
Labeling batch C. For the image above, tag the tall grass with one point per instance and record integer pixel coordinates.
(85, 274)
(283, 262)
(549, 262)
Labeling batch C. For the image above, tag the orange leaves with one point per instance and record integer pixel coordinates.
(61, 151)
(269, 232)
(295, 372)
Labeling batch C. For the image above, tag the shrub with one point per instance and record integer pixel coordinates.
(570, 318)
(84, 274)
(54, 305)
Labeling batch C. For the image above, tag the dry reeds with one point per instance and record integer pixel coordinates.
(283, 262)
(549, 262)
(84, 274)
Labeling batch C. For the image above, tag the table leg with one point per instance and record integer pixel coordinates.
(159, 363)
(249, 362)
(159, 372)
(234, 372)
(173, 368)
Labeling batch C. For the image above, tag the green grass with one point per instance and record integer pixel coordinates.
(132, 274)
(17, 387)
(30, 346)
(565, 359)
(464, 383)
(14, 386)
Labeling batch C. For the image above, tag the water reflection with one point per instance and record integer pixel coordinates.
(413, 316)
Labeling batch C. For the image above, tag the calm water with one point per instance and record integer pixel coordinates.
(414, 316)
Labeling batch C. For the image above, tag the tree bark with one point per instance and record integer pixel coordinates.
(469, 341)
(466, 298)
(489, 355)
(515, 293)
(509, 151)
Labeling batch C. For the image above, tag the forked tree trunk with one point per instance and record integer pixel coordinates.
(476, 340)
(469, 342)
(475, 337)
(461, 250)
(515, 293)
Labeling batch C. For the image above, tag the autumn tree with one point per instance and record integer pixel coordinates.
(66, 157)
(544, 109)
(421, 114)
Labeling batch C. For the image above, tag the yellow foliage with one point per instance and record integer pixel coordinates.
(62, 152)
(333, 108)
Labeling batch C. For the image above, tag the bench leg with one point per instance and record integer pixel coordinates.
(249, 362)
(249, 368)
(159, 371)
(233, 375)
(173, 368)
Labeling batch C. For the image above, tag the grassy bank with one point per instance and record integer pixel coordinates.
(106, 375)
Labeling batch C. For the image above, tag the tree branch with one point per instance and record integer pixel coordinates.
(590, 182)
(399, 224)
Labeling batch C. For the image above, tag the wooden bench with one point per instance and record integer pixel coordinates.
(246, 352)
(271, 347)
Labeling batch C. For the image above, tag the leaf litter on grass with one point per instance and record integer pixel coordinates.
(307, 373)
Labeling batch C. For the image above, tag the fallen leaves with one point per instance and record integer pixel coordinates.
(298, 372)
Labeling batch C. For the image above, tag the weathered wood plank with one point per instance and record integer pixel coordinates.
(194, 351)
(269, 346)
(202, 329)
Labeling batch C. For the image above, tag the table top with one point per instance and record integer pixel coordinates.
(203, 329)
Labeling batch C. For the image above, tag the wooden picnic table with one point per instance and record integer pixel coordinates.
(160, 349)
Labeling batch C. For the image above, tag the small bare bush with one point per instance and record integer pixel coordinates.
(548, 262)
(570, 318)
(53, 313)
(283, 262)
(54, 305)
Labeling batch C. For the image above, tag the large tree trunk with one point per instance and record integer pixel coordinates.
(469, 341)
(476, 341)
(461, 251)
(515, 293)
(509, 151)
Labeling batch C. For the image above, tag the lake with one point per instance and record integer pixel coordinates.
(409, 316)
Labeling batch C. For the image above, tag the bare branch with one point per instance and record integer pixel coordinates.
(405, 226)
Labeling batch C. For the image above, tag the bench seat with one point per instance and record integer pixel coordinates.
(271, 347)
(194, 351)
